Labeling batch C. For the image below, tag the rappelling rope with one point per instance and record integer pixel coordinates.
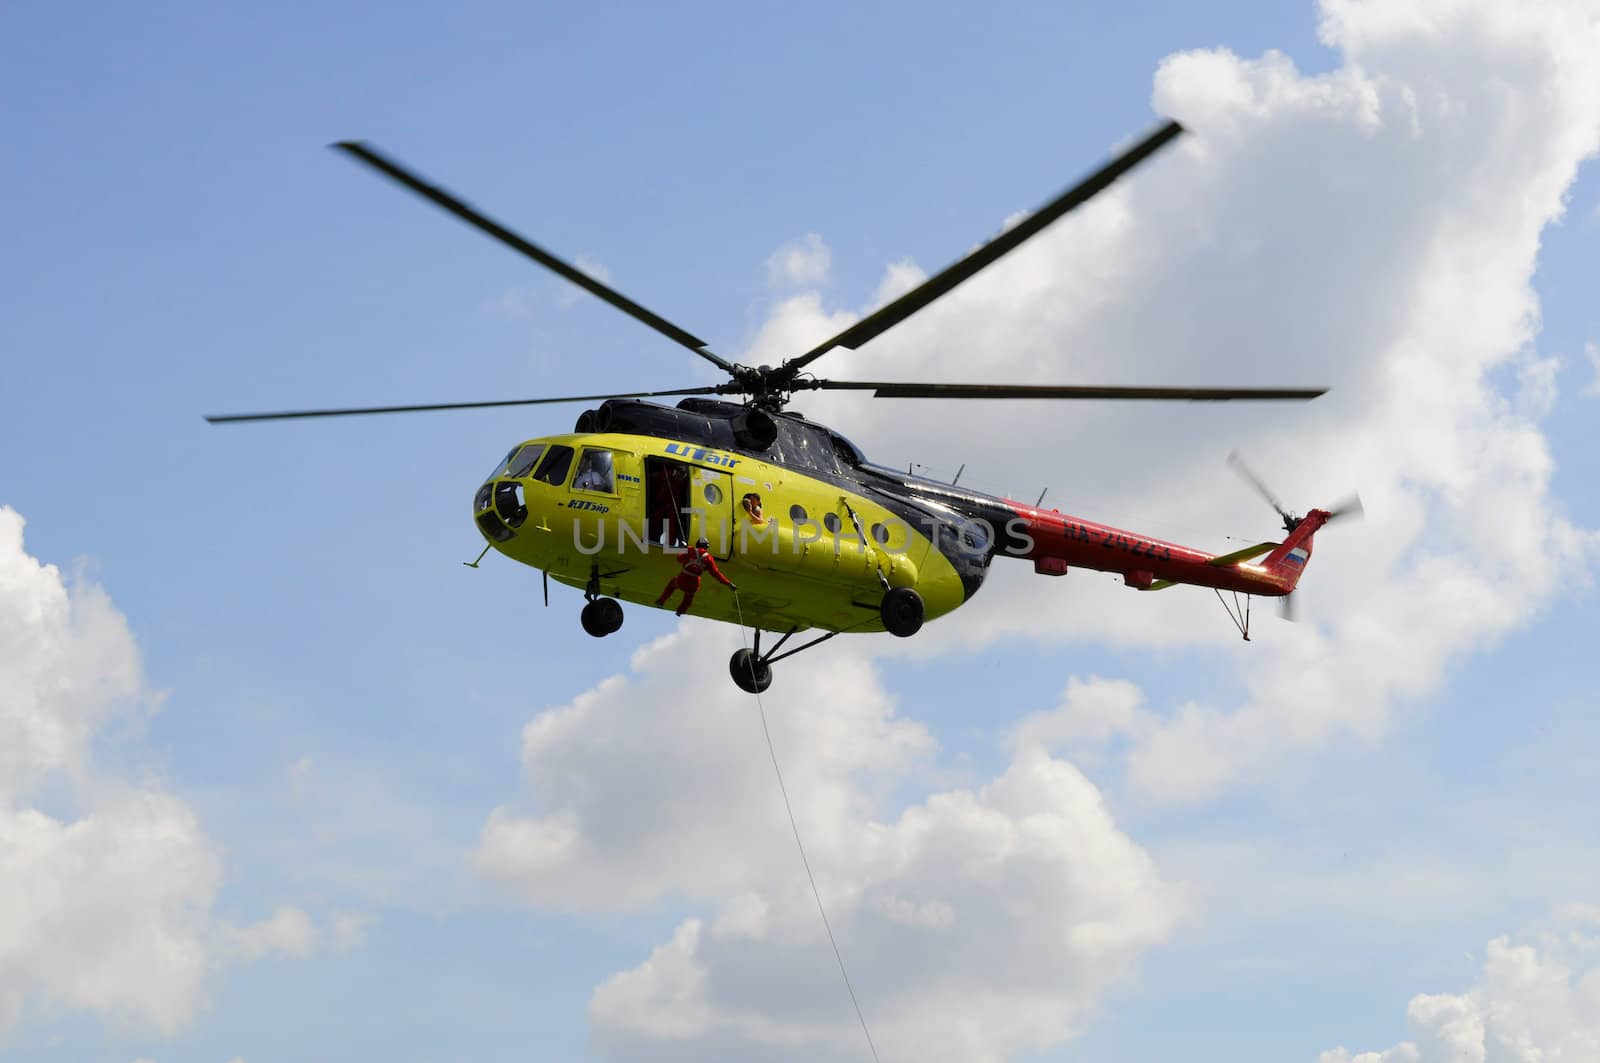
(784, 790)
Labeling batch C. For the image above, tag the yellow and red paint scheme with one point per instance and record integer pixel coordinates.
(827, 533)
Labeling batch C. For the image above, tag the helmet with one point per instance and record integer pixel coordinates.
(703, 543)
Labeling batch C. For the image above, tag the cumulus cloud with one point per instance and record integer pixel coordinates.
(1591, 351)
(976, 922)
(1373, 228)
(1536, 1000)
(108, 910)
(1092, 711)
(289, 931)
(802, 263)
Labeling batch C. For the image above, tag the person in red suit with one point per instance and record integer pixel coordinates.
(695, 560)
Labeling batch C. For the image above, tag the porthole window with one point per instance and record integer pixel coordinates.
(880, 534)
(832, 523)
(713, 494)
(797, 513)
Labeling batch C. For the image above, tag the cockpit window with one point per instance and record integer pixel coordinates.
(556, 464)
(522, 463)
(501, 468)
(595, 472)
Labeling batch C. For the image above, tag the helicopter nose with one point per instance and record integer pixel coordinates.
(499, 508)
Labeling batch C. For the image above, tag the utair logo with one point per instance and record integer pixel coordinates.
(710, 457)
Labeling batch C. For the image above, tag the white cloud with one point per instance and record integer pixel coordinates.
(514, 303)
(802, 263)
(1591, 351)
(1536, 386)
(349, 930)
(288, 932)
(1373, 228)
(1532, 1001)
(1092, 710)
(976, 923)
(109, 912)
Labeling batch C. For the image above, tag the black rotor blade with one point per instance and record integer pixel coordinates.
(1255, 481)
(1349, 507)
(480, 221)
(892, 390)
(886, 317)
(286, 415)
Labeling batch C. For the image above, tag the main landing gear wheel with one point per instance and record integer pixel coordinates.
(601, 617)
(751, 674)
(902, 612)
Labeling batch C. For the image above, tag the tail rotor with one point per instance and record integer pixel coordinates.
(1347, 509)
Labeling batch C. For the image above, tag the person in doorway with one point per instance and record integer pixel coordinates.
(695, 560)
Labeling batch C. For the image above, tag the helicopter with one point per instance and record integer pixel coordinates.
(816, 537)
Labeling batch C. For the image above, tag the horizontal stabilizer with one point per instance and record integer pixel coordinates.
(1246, 554)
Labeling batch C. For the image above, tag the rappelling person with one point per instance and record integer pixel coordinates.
(695, 560)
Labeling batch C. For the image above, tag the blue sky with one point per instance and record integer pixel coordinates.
(338, 705)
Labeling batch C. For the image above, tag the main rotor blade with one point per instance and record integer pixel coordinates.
(235, 418)
(888, 390)
(1255, 481)
(886, 317)
(478, 220)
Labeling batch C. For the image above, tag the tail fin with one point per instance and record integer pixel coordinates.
(1288, 562)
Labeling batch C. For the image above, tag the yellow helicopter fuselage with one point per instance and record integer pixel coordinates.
(611, 513)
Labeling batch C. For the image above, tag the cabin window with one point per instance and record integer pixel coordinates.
(480, 501)
(831, 522)
(713, 494)
(880, 534)
(524, 461)
(797, 513)
(596, 472)
(554, 468)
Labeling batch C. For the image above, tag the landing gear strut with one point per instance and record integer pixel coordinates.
(600, 616)
(752, 671)
(901, 612)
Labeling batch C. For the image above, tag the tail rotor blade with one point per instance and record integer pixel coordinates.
(1255, 481)
(1350, 507)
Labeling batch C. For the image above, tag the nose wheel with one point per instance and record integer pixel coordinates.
(601, 617)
